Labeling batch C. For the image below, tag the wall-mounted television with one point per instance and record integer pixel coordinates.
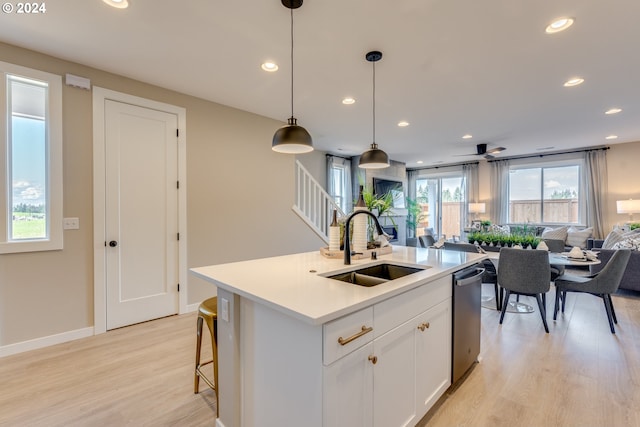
(383, 186)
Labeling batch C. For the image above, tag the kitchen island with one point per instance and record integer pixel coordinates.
(296, 347)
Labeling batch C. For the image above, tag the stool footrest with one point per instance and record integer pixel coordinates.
(203, 376)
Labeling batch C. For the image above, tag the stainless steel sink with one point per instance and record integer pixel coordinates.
(375, 274)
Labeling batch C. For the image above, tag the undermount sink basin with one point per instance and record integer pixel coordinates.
(375, 274)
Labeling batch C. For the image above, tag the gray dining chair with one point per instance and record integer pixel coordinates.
(525, 272)
(489, 276)
(602, 285)
(426, 241)
(555, 246)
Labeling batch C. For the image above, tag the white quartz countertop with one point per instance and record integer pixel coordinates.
(295, 284)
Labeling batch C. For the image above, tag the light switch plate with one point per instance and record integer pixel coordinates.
(71, 223)
(224, 308)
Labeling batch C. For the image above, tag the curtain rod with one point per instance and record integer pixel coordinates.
(443, 166)
(530, 156)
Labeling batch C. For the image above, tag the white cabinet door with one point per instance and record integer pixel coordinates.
(348, 390)
(433, 355)
(394, 378)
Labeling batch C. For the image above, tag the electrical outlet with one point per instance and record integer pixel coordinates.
(71, 223)
(224, 308)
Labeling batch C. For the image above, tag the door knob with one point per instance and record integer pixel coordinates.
(113, 243)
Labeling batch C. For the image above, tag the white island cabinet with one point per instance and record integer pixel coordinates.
(394, 378)
(297, 348)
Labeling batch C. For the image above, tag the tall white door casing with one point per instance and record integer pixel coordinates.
(141, 213)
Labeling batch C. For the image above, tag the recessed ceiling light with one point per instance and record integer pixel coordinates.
(467, 136)
(559, 25)
(269, 66)
(419, 162)
(613, 111)
(612, 137)
(120, 4)
(575, 81)
(403, 124)
(348, 100)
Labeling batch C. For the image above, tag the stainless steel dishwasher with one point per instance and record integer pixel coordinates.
(467, 289)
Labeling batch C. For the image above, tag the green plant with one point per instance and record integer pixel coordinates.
(634, 225)
(414, 215)
(380, 204)
(503, 239)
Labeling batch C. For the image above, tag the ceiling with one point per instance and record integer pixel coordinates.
(450, 67)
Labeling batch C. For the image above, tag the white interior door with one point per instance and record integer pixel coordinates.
(141, 214)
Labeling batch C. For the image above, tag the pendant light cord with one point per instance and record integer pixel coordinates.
(374, 102)
(291, 63)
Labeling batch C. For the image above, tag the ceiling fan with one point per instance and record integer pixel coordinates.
(481, 150)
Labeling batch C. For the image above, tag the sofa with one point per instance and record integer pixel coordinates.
(631, 277)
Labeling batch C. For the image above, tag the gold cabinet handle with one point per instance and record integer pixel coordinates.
(423, 326)
(345, 341)
(373, 359)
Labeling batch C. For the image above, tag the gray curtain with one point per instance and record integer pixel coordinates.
(332, 162)
(469, 190)
(500, 191)
(412, 175)
(596, 186)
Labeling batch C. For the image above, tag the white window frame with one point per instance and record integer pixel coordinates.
(53, 133)
(342, 187)
(435, 174)
(566, 161)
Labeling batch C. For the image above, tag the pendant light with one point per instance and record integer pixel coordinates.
(374, 158)
(292, 139)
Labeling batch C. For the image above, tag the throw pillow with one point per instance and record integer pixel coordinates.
(577, 237)
(632, 242)
(556, 233)
(612, 238)
(617, 236)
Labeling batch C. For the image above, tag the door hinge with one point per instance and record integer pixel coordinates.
(178, 184)
(178, 236)
(178, 287)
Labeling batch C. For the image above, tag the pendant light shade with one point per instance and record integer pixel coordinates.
(374, 158)
(292, 139)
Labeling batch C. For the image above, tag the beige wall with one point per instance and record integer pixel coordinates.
(239, 198)
(623, 181)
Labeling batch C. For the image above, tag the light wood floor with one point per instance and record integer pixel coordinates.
(578, 375)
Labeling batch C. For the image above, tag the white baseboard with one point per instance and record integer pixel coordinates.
(21, 347)
(192, 307)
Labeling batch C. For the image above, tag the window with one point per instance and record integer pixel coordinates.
(339, 187)
(31, 153)
(545, 194)
(339, 182)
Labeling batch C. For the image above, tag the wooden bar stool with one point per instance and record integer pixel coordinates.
(207, 312)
